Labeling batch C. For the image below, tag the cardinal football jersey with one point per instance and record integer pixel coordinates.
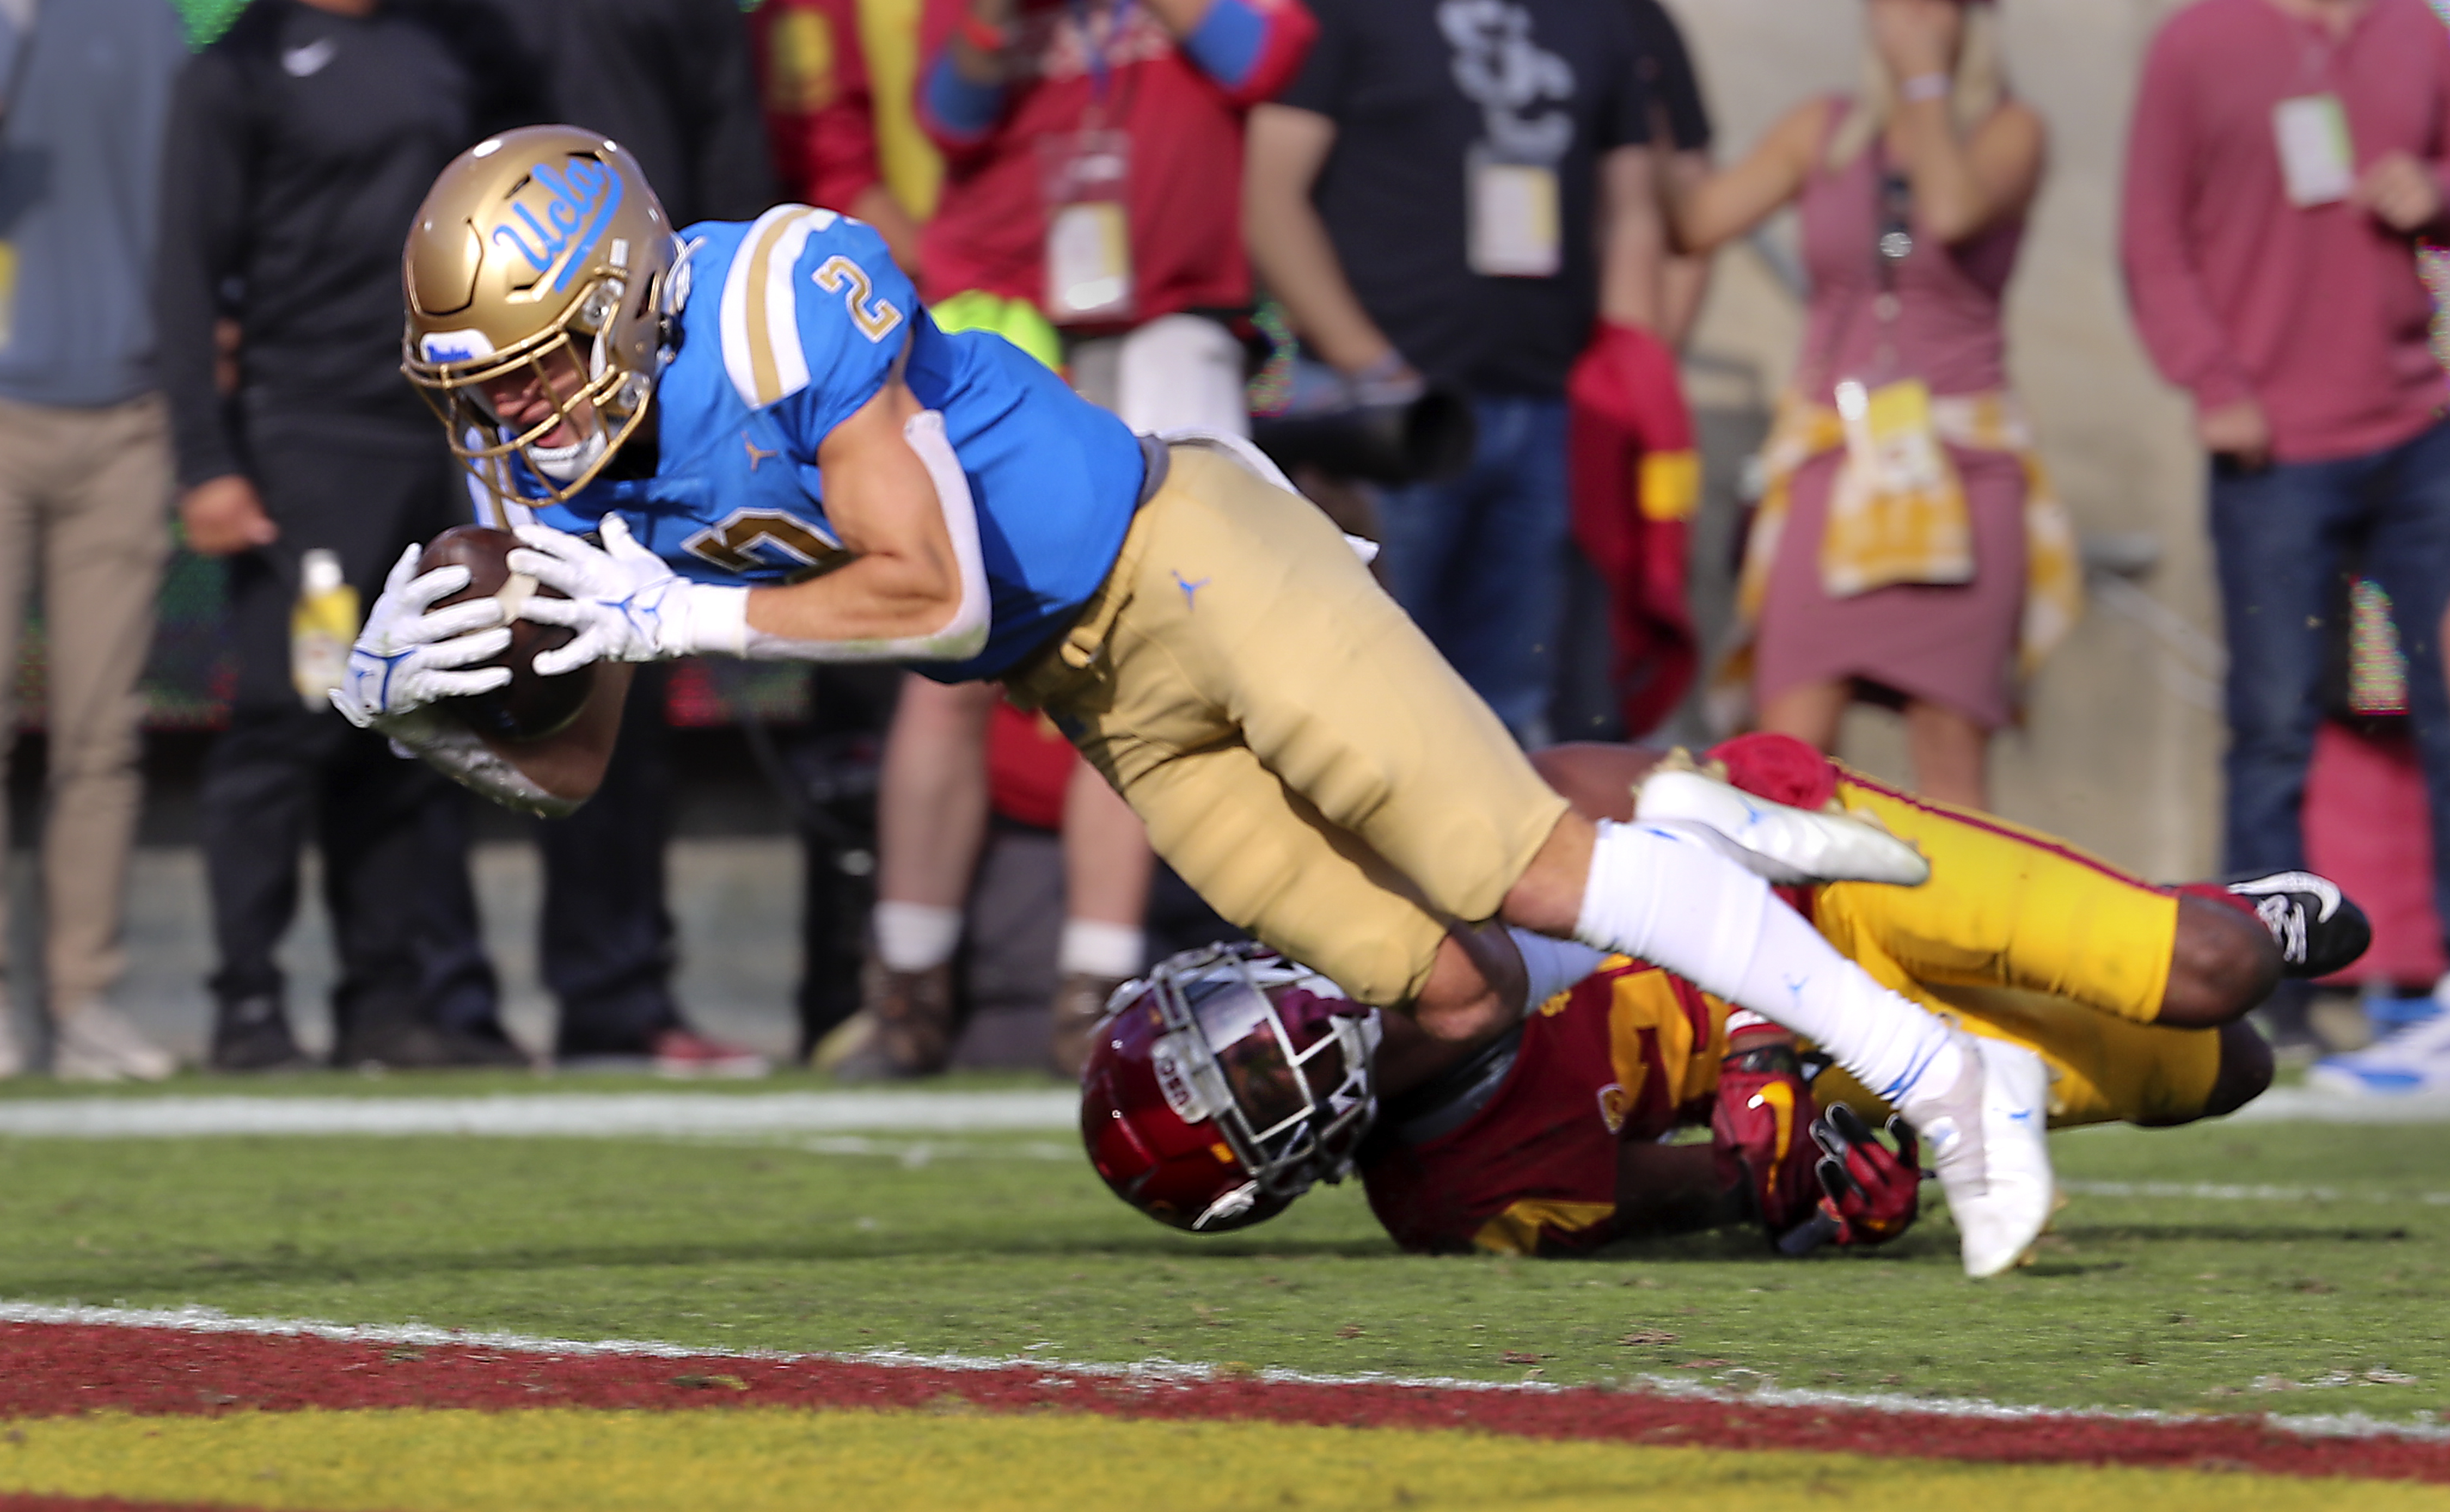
(1627, 1053)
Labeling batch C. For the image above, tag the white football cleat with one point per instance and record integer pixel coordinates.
(1986, 1140)
(1784, 845)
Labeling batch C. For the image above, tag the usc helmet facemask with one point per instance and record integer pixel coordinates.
(1224, 1084)
(540, 254)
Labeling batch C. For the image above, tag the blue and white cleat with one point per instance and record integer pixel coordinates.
(2413, 1060)
(1988, 1140)
(1789, 846)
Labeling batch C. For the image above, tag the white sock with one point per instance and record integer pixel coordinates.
(916, 937)
(1553, 965)
(1673, 901)
(1095, 949)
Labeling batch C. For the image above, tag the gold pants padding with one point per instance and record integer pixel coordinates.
(1301, 752)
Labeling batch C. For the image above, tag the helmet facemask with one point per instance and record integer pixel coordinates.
(601, 401)
(1290, 1114)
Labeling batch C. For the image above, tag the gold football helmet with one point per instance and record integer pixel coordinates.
(540, 254)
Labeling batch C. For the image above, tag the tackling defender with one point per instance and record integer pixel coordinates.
(1541, 1137)
(784, 458)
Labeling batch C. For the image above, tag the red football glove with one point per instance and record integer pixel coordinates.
(1759, 1128)
(1871, 1193)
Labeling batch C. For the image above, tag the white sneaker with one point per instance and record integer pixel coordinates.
(95, 1044)
(1988, 1141)
(12, 1057)
(2414, 1059)
(1786, 846)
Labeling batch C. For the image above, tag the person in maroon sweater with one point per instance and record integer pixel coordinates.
(2285, 157)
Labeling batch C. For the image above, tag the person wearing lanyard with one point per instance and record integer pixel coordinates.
(1907, 542)
(2287, 157)
(1091, 150)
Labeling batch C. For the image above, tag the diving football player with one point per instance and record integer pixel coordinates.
(777, 454)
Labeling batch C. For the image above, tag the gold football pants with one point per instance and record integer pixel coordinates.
(1301, 753)
(2024, 938)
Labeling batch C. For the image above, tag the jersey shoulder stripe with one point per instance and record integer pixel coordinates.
(762, 350)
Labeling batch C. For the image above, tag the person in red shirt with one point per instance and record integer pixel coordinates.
(2285, 158)
(821, 115)
(1092, 154)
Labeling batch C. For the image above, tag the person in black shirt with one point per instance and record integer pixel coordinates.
(671, 80)
(299, 147)
(1458, 191)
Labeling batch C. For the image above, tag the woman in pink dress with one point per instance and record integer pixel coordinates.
(1897, 429)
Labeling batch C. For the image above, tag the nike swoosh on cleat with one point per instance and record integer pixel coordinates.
(2294, 881)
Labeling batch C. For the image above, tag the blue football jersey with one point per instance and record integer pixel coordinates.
(793, 321)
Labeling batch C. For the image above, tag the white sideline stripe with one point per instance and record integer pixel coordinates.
(2212, 1191)
(1154, 1373)
(574, 1114)
(2306, 1105)
(650, 1115)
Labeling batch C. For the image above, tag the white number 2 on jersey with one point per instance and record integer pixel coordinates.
(869, 311)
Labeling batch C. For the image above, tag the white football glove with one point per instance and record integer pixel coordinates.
(411, 655)
(626, 604)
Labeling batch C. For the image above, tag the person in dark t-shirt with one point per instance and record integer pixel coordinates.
(1457, 192)
(298, 146)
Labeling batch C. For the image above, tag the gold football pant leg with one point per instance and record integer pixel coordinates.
(2004, 907)
(2103, 1070)
(2023, 938)
(1301, 752)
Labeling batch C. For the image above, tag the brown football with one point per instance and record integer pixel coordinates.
(529, 707)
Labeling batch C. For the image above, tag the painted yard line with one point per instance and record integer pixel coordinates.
(2426, 1427)
(646, 1115)
(666, 1115)
(2304, 1105)
(2211, 1191)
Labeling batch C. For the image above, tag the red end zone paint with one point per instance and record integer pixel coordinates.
(51, 1371)
(101, 1506)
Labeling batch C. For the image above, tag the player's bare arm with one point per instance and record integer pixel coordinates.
(904, 581)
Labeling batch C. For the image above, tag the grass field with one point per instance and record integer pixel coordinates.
(2270, 1266)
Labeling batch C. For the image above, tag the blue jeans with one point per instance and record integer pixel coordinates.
(2286, 537)
(1477, 560)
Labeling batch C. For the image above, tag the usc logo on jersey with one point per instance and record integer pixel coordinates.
(1614, 1105)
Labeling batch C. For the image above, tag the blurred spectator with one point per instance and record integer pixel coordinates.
(2284, 158)
(670, 81)
(1083, 142)
(821, 117)
(1907, 538)
(826, 119)
(1456, 192)
(85, 469)
(299, 145)
(1627, 648)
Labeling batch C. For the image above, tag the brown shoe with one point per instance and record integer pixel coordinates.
(1080, 1007)
(912, 1015)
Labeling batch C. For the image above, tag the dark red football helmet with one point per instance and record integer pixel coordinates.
(1225, 1083)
